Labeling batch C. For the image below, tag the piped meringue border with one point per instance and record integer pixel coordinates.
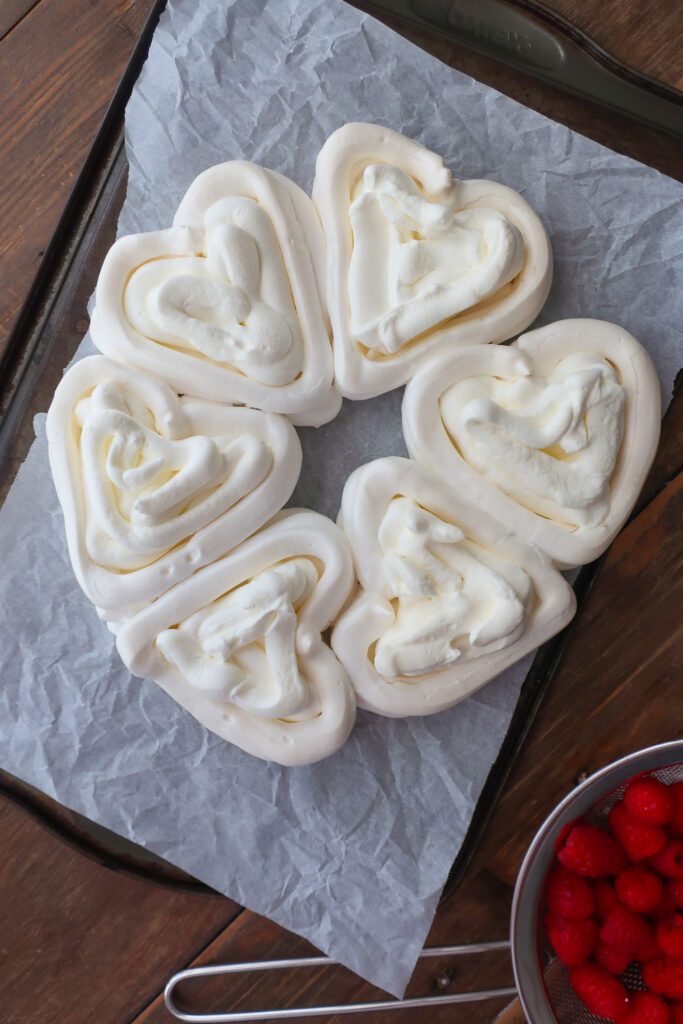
(496, 319)
(295, 532)
(310, 399)
(538, 352)
(367, 494)
(116, 593)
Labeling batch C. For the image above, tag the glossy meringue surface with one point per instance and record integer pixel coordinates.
(448, 599)
(154, 486)
(227, 304)
(418, 263)
(239, 644)
(550, 442)
(144, 492)
(553, 434)
(232, 304)
(415, 263)
(241, 647)
(453, 595)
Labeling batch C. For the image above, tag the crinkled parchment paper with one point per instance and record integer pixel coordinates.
(352, 852)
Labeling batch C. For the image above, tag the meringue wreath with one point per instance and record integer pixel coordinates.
(174, 453)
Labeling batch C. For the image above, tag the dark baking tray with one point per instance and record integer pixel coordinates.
(47, 333)
(533, 39)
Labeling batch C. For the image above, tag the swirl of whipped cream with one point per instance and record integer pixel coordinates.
(241, 649)
(233, 304)
(455, 598)
(449, 595)
(144, 493)
(417, 263)
(228, 304)
(154, 486)
(240, 642)
(550, 442)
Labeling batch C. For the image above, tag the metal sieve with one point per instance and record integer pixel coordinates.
(542, 982)
(545, 995)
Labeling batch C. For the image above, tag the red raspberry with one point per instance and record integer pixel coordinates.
(669, 937)
(666, 907)
(592, 852)
(629, 933)
(665, 977)
(600, 992)
(650, 802)
(676, 1013)
(571, 940)
(568, 895)
(605, 899)
(675, 889)
(669, 861)
(649, 953)
(611, 959)
(675, 826)
(647, 1008)
(655, 974)
(639, 841)
(639, 889)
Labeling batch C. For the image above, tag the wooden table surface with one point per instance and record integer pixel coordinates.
(83, 943)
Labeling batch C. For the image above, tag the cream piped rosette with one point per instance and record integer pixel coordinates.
(553, 434)
(228, 304)
(450, 597)
(418, 263)
(153, 486)
(239, 644)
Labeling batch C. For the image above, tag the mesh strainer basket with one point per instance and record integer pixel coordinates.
(542, 982)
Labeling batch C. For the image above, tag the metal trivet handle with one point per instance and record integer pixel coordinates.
(241, 1017)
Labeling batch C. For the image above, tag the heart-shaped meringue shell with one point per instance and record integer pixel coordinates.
(367, 496)
(496, 317)
(537, 354)
(294, 534)
(266, 460)
(308, 398)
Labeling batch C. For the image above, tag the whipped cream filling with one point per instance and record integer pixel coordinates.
(241, 648)
(233, 304)
(416, 263)
(145, 493)
(455, 598)
(551, 443)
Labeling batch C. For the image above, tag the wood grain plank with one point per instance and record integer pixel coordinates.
(251, 938)
(618, 685)
(11, 13)
(669, 461)
(80, 943)
(59, 68)
(645, 37)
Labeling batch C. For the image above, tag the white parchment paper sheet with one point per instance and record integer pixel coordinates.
(353, 852)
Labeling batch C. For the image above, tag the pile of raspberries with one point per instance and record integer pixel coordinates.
(614, 897)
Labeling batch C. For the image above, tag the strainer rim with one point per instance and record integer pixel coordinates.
(529, 886)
